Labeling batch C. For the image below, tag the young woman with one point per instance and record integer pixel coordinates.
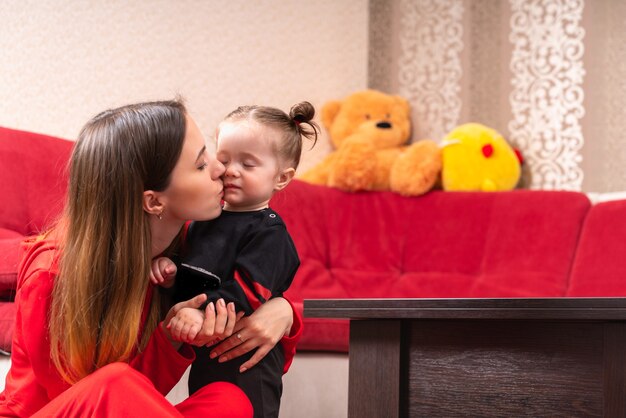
(88, 338)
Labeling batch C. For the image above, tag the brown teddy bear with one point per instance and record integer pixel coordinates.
(369, 130)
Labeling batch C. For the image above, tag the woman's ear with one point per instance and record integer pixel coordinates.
(152, 204)
(284, 178)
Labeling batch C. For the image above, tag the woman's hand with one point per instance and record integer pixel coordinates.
(262, 330)
(219, 323)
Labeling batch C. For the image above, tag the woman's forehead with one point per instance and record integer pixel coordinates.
(194, 140)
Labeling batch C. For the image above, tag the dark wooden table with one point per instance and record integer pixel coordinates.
(561, 357)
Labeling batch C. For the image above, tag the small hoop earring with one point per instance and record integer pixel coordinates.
(160, 216)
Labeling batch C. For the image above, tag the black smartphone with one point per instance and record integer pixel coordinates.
(202, 280)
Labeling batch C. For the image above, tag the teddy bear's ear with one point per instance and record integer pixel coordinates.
(329, 111)
(404, 103)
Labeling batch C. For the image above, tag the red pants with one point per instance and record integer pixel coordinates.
(117, 390)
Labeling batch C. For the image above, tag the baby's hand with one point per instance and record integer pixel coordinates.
(163, 272)
(186, 324)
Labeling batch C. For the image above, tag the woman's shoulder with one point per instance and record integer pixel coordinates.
(38, 254)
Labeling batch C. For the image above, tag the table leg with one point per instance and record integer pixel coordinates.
(375, 372)
(615, 369)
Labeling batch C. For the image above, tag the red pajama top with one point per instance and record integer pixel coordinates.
(33, 381)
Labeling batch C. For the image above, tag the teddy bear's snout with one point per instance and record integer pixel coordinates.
(383, 125)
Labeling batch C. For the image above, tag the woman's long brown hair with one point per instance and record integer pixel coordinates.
(98, 298)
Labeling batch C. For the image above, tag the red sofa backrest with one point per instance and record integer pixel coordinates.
(599, 267)
(34, 179)
(442, 244)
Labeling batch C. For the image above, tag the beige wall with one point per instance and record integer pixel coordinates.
(62, 61)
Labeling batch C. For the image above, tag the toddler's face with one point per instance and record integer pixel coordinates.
(247, 150)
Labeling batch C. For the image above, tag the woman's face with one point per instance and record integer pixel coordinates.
(196, 190)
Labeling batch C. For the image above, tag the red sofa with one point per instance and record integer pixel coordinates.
(443, 244)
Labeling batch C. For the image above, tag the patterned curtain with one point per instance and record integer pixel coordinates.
(550, 75)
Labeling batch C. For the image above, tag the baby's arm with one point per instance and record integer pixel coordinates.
(163, 272)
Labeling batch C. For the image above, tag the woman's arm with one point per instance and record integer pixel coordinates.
(274, 321)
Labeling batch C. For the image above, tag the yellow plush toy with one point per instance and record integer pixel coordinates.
(369, 130)
(478, 158)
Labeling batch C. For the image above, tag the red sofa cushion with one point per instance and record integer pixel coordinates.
(442, 244)
(518, 243)
(7, 325)
(9, 259)
(599, 267)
